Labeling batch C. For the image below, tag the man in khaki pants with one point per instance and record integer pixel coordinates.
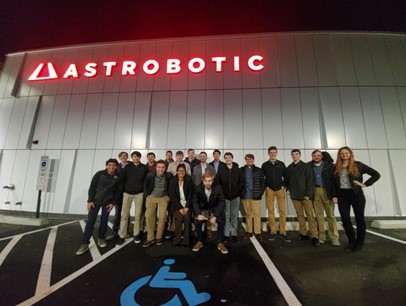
(156, 192)
(275, 173)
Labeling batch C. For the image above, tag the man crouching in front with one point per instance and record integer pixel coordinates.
(209, 204)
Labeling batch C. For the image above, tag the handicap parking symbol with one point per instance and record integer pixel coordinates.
(166, 279)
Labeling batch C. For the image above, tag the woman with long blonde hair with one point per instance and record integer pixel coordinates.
(348, 193)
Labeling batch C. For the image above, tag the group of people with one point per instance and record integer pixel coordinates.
(172, 196)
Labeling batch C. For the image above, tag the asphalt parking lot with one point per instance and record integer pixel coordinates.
(38, 266)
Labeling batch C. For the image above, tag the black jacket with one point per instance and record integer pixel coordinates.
(258, 182)
(132, 178)
(174, 193)
(216, 203)
(231, 181)
(363, 169)
(275, 174)
(299, 181)
(327, 177)
(104, 188)
(150, 182)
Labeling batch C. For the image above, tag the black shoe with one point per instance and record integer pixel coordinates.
(137, 239)
(303, 237)
(356, 248)
(226, 239)
(349, 247)
(315, 241)
(235, 239)
(120, 241)
(168, 235)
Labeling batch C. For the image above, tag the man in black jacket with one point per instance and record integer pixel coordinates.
(208, 204)
(299, 184)
(323, 183)
(132, 181)
(251, 195)
(103, 194)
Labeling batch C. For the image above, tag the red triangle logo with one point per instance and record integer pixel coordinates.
(43, 72)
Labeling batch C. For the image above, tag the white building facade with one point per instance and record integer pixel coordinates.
(240, 93)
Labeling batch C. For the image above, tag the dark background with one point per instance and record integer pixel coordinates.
(28, 24)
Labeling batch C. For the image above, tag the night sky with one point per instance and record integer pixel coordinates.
(34, 24)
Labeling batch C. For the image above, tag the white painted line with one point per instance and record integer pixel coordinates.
(44, 276)
(38, 230)
(110, 224)
(71, 277)
(386, 237)
(94, 251)
(287, 293)
(9, 247)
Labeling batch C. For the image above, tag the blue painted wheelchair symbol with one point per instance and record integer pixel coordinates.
(166, 279)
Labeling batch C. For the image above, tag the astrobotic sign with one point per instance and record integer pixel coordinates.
(50, 71)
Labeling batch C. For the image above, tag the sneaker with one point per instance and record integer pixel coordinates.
(120, 241)
(349, 247)
(148, 243)
(357, 248)
(168, 235)
(235, 239)
(101, 243)
(248, 235)
(226, 239)
(221, 247)
(159, 242)
(272, 237)
(335, 242)
(322, 241)
(197, 246)
(259, 237)
(83, 249)
(137, 239)
(285, 237)
(315, 241)
(303, 237)
(111, 237)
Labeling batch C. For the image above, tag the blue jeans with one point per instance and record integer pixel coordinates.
(231, 211)
(91, 220)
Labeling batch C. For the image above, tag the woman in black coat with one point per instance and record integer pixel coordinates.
(181, 190)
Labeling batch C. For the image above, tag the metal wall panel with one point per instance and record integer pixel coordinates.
(114, 54)
(232, 79)
(142, 114)
(8, 158)
(159, 120)
(397, 158)
(397, 57)
(124, 121)
(402, 102)
(312, 126)
(179, 81)
(392, 117)
(197, 48)
(58, 122)
(90, 121)
(287, 61)
(380, 60)
(362, 61)
(96, 84)
(269, 75)
(250, 79)
(6, 109)
(195, 119)
(146, 82)
(374, 125)
(252, 119)
(9, 73)
(162, 81)
(214, 126)
(74, 121)
(332, 117)
(85, 56)
(291, 118)
(107, 121)
(50, 88)
(43, 123)
(129, 82)
(65, 86)
(306, 61)
(353, 118)
(233, 120)
(20, 178)
(343, 59)
(272, 118)
(15, 124)
(177, 120)
(214, 80)
(27, 123)
(326, 71)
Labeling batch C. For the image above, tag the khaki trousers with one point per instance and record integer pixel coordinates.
(303, 207)
(152, 204)
(323, 204)
(270, 205)
(125, 213)
(252, 210)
